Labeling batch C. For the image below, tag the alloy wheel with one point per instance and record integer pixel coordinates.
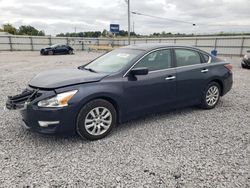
(212, 95)
(98, 121)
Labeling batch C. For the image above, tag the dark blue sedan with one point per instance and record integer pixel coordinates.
(57, 49)
(121, 85)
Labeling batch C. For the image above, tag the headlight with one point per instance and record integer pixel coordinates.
(60, 100)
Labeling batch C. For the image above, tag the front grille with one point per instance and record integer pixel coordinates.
(18, 101)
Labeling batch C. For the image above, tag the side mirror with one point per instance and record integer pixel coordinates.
(139, 71)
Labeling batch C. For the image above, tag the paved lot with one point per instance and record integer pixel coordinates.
(184, 148)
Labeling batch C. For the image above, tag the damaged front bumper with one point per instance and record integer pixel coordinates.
(20, 101)
(40, 119)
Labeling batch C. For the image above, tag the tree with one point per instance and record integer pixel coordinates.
(9, 29)
(123, 33)
(104, 33)
(29, 30)
(96, 34)
(60, 35)
(81, 34)
(41, 33)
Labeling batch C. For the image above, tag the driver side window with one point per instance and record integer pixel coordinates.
(157, 60)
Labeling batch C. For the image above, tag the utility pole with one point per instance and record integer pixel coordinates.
(128, 21)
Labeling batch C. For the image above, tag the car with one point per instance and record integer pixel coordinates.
(126, 83)
(245, 63)
(57, 49)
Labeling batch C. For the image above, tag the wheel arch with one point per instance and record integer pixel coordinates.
(218, 81)
(108, 98)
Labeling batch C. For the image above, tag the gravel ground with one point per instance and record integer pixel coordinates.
(184, 148)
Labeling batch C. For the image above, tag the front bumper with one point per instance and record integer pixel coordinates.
(50, 121)
(44, 120)
(245, 63)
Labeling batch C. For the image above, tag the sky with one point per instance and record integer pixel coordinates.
(57, 16)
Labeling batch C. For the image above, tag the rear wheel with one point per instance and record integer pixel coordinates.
(211, 95)
(96, 119)
(70, 52)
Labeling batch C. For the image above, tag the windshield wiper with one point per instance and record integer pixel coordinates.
(89, 69)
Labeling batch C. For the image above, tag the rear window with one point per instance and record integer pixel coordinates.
(185, 57)
(205, 57)
(216, 59)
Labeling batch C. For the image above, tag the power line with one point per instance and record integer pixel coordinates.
(187, 22)
(169, 19)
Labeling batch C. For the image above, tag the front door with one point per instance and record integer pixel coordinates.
(154, 91)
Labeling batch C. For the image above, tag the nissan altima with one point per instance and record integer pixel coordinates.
(121, 85)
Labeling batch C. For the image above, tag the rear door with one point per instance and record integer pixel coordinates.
(192, 73)
(155, 90)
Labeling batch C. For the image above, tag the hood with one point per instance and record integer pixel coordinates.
(64, 77)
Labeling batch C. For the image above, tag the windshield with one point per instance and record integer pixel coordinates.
(113, 61)
(55, 45)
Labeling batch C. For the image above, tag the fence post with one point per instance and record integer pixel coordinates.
(195, 42)
(10, 42)
(50, 42)
(82, 44)
(31, 43)
(67, 40)
(215, 43)
(159, 40)
(242, 45)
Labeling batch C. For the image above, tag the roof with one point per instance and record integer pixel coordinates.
(152, 46)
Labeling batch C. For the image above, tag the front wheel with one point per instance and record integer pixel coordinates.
(96, 119)
(211, 96)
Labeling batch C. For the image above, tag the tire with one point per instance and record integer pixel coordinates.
(50, 52)
(92, 126)
(210, 96)
(70, 52)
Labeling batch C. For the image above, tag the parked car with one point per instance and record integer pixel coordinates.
(245, 63)
(57, 49)
(123, 84)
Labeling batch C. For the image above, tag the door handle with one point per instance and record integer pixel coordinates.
(204, 70)
(170, 78)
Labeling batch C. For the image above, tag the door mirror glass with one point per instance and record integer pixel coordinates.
(139, 71)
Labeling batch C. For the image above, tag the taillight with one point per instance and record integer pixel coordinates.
(229, 67)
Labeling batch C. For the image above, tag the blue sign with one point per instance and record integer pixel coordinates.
(114, 28)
